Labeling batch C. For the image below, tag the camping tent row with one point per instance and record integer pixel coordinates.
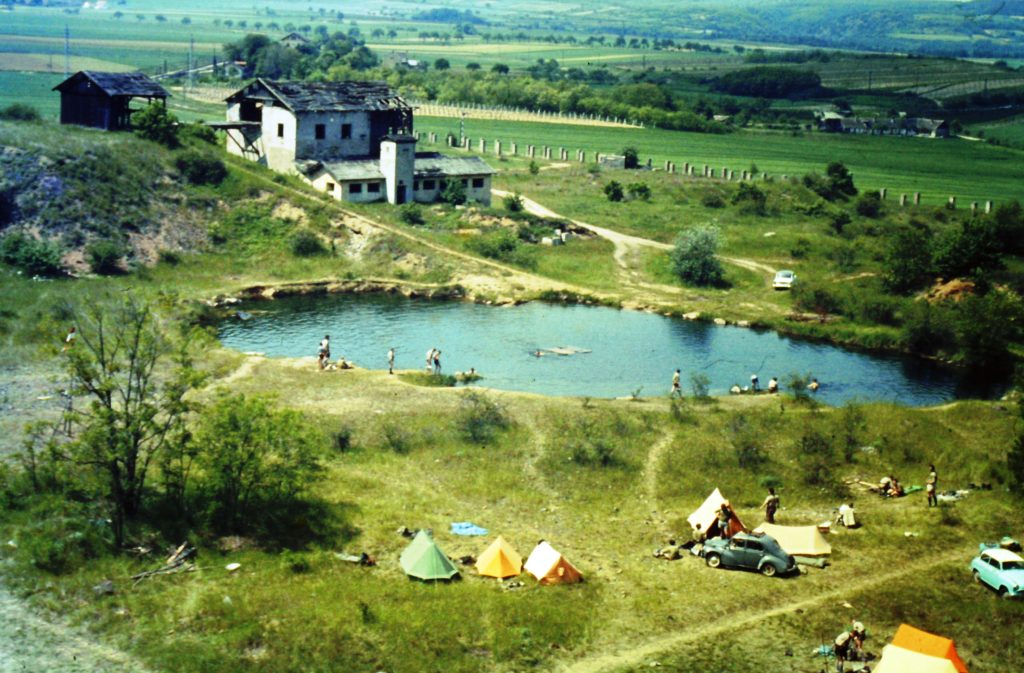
(424, 560)
(921, 652)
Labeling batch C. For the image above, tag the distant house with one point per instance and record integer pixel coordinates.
(352, 140)
(103, 99)
(293, 40)
(832, 122)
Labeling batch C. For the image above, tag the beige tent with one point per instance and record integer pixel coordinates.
(550, 567)
(797, 540)
(500, 560)
(898, 660)
(707, 516)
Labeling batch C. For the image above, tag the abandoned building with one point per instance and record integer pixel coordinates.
(832, 122)
(353, 140)
(103, 99)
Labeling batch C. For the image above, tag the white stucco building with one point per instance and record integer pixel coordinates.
(352, 140)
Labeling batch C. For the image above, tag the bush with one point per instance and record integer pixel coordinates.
(104, 257)
(33, 257)
(155, 123)
(712, 200)
(480, 418)
(750, 198)
(454, 193)
(694, 258)
(19, 112)
(411, 214)
(503, 245)
(589, 445)
(169, 257)
(201, 169)
(613, 190)
(200, 132)
(816, 457)
(632, 157)
(534, 167)
(396, 438)
(838, 221)
(305, 243)
(700, 384)
(513, 202)
(869, 205)
(908, 261)
(815, 298)
(639, 190)
(63, 535)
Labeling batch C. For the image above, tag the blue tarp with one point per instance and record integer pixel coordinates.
(467, 528)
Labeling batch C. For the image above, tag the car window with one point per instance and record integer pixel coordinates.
(1013, 565)
(754, 545)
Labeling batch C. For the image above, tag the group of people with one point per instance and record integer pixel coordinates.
(773, 386)
(890, 487)
(434, 360)
(323, 356)
(849, 644)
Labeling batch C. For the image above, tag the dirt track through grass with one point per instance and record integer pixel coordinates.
(736, 623)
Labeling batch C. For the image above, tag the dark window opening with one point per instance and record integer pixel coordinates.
(280, 130)
(478, 183)
(373, 187)
(320, 131)
(346, 131)
(428, 184)
(330, 187)
(355, 188)
(465, 183)
(416, 185)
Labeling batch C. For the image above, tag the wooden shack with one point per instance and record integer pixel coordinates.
(102, 99)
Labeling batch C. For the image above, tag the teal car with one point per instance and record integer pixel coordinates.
(1001, 569)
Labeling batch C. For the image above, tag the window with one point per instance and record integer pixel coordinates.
(320, 130)
(465, 183)
(373, 187)
(346, 131)
(280, 130)
(428, 184)
(753, 545)
(355, 188)
(330, 187)
(415, 185)
(478, 183)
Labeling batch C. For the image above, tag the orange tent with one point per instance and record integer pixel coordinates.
(917, 640)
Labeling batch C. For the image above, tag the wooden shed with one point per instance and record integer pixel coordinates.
(102, 99)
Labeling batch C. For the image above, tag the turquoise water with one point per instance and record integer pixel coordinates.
(629, 350)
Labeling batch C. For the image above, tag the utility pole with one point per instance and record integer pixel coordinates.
(67, 52)
(462, 129)
(191, 49)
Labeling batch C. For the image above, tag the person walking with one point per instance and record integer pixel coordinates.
(931, 486)
(676, 386)
(391, 361)
(770, 505)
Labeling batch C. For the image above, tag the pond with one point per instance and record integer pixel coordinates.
(626, 351)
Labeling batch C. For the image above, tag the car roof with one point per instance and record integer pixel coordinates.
(784, 272)
(1001, 555)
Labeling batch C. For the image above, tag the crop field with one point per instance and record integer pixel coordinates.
(904, 165)
(1009, 132)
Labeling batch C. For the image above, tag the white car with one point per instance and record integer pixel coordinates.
(783, 280)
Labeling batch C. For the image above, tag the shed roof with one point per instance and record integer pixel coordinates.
(324, 96)
(427, 165)
(117, 83)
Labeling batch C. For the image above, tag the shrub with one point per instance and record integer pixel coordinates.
(632, 157)
(454, 193)
(513, 202)
(169, 257)
(589, 445)
(201, 169)
(797, 384)
(200, 132)
(480, 418)
(926, 330)
(410, 213)
(700, 384)
(19, 112)
(869, 205)
(305, 243)
(63, 535)
(816, 298)
(613, 190)
(1015, 457)
(750, 198)
(816, 457)
(104, 257)
(155, 123)
(534, 167)
(971, 250)
(33, 257)
(639, 190)
(694, 258)
(712, 200)
(801, 248)
(396, 438)
(908, 261)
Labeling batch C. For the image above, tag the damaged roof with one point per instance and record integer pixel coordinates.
(428, 165)
(117, 83)
(324, 96)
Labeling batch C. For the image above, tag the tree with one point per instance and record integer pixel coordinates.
(472, 66)
(632, 157)
(694, 257)
(442, 64)
(972, 250)
(454, 193)
(908, 261)
(105, 257)
(254, 454)
(137, 407)
(155, 123)
(613, 190)
(1015, 456)
(499, 68)
(840, 179)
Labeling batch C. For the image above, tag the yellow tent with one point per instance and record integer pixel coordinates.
(898, 660)
(550, 567)
(707, 516)
(797, 540)
(500, 560)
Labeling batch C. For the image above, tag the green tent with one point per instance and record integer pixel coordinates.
(424, 560)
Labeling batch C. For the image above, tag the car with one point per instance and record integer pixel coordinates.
(1001, 569)
(784, 279)
(748, 550)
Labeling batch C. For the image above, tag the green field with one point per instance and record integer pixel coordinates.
(902, 165)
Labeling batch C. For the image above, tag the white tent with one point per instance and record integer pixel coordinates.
(898, 660)
(550, 567)
(797, 540)
(707, 515)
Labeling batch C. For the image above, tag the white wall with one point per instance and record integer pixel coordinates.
(332, 146)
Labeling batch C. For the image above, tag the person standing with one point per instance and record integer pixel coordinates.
(69, 340)
(430, 359)
(842, 649)
(773, 385)
(754, 387)
(391, 361)
(437, 361)
(724, 517)
(770, 505)
(931, 486)
(676, 386)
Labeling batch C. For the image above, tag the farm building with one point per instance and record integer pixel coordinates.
(103, 99)
(832, 122)
(293, 40)
(352, 140)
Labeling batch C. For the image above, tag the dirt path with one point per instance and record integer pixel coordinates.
(736, 623)
(650, 478)
(29, 644)
(625, 244)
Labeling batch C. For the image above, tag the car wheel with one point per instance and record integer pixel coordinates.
(713, 560)
(768, 570)
(1003, 593)
(977, 577)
